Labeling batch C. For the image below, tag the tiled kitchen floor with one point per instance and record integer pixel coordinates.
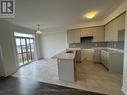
(90, 76)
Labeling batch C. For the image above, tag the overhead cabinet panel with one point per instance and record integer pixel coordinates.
(113, 27)
(86, 32)
(121, 22)
(73, 36)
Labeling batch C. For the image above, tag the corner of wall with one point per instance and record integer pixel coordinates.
(124, 91)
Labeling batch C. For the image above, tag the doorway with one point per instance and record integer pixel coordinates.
(25, 48)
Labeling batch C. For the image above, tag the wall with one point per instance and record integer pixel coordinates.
(1, 64)
(6, 41)
(53, 43)
(8, 46)
(124, 88)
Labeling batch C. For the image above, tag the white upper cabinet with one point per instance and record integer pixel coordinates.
(121, 22)
(86, 32)
(112, 28)
(98, 34)
(108, 30)
(70, 35)
(73, 36)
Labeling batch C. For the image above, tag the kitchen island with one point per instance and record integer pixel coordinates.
(66, 61)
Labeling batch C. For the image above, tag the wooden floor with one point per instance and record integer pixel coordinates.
(21, 86)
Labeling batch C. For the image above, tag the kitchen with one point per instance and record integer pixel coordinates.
(65, 48)
(94, 45)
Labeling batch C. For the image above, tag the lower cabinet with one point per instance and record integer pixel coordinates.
(97, 56)
(78, 56)
(105, 58)
(87, 54)
(113, 61)
(66, 69)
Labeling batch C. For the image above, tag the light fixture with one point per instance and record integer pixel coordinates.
(38, 29)
(90, 15)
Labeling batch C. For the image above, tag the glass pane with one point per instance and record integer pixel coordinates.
(32, 44)
(17, 41)
(29, 56)
(25, 57)
(32, 48)
(28, 45)
(23, 45)
(20, 59)
(18, 45)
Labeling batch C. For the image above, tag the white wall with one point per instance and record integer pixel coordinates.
(8, 47)
(1, 64)
(124, 88)
(53, 43)
(6, 42)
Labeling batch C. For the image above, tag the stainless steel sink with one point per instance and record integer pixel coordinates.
(69, 51)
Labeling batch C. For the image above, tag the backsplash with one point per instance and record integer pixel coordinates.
(117, 45)
(113, 44)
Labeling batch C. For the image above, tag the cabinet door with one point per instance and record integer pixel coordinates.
(77, 36)
(98, 34)
(97, 58)
(73, 36)
(105, 58)
(70, 36)
(108, 32)
(86, 32)
(112, 28)
(114, 32)
(87, 54)
(78, 56)
(121, 22)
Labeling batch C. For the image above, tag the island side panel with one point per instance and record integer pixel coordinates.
(66, 69)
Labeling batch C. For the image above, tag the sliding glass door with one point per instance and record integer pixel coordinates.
(25, 50)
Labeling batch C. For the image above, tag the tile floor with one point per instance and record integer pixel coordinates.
(90, 76)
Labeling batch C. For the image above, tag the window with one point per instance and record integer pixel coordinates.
(25, 47)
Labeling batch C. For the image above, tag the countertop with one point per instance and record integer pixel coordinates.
(64, 55)
(111, 50)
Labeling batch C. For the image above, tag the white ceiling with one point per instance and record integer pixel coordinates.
(54, 13)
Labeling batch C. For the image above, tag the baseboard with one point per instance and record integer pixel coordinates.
(124, 91)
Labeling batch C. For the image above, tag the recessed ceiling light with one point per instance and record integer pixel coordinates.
(90, 15)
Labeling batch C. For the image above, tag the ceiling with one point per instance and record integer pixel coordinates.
(54, 13)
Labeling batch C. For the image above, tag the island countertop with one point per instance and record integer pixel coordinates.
(65, 55)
